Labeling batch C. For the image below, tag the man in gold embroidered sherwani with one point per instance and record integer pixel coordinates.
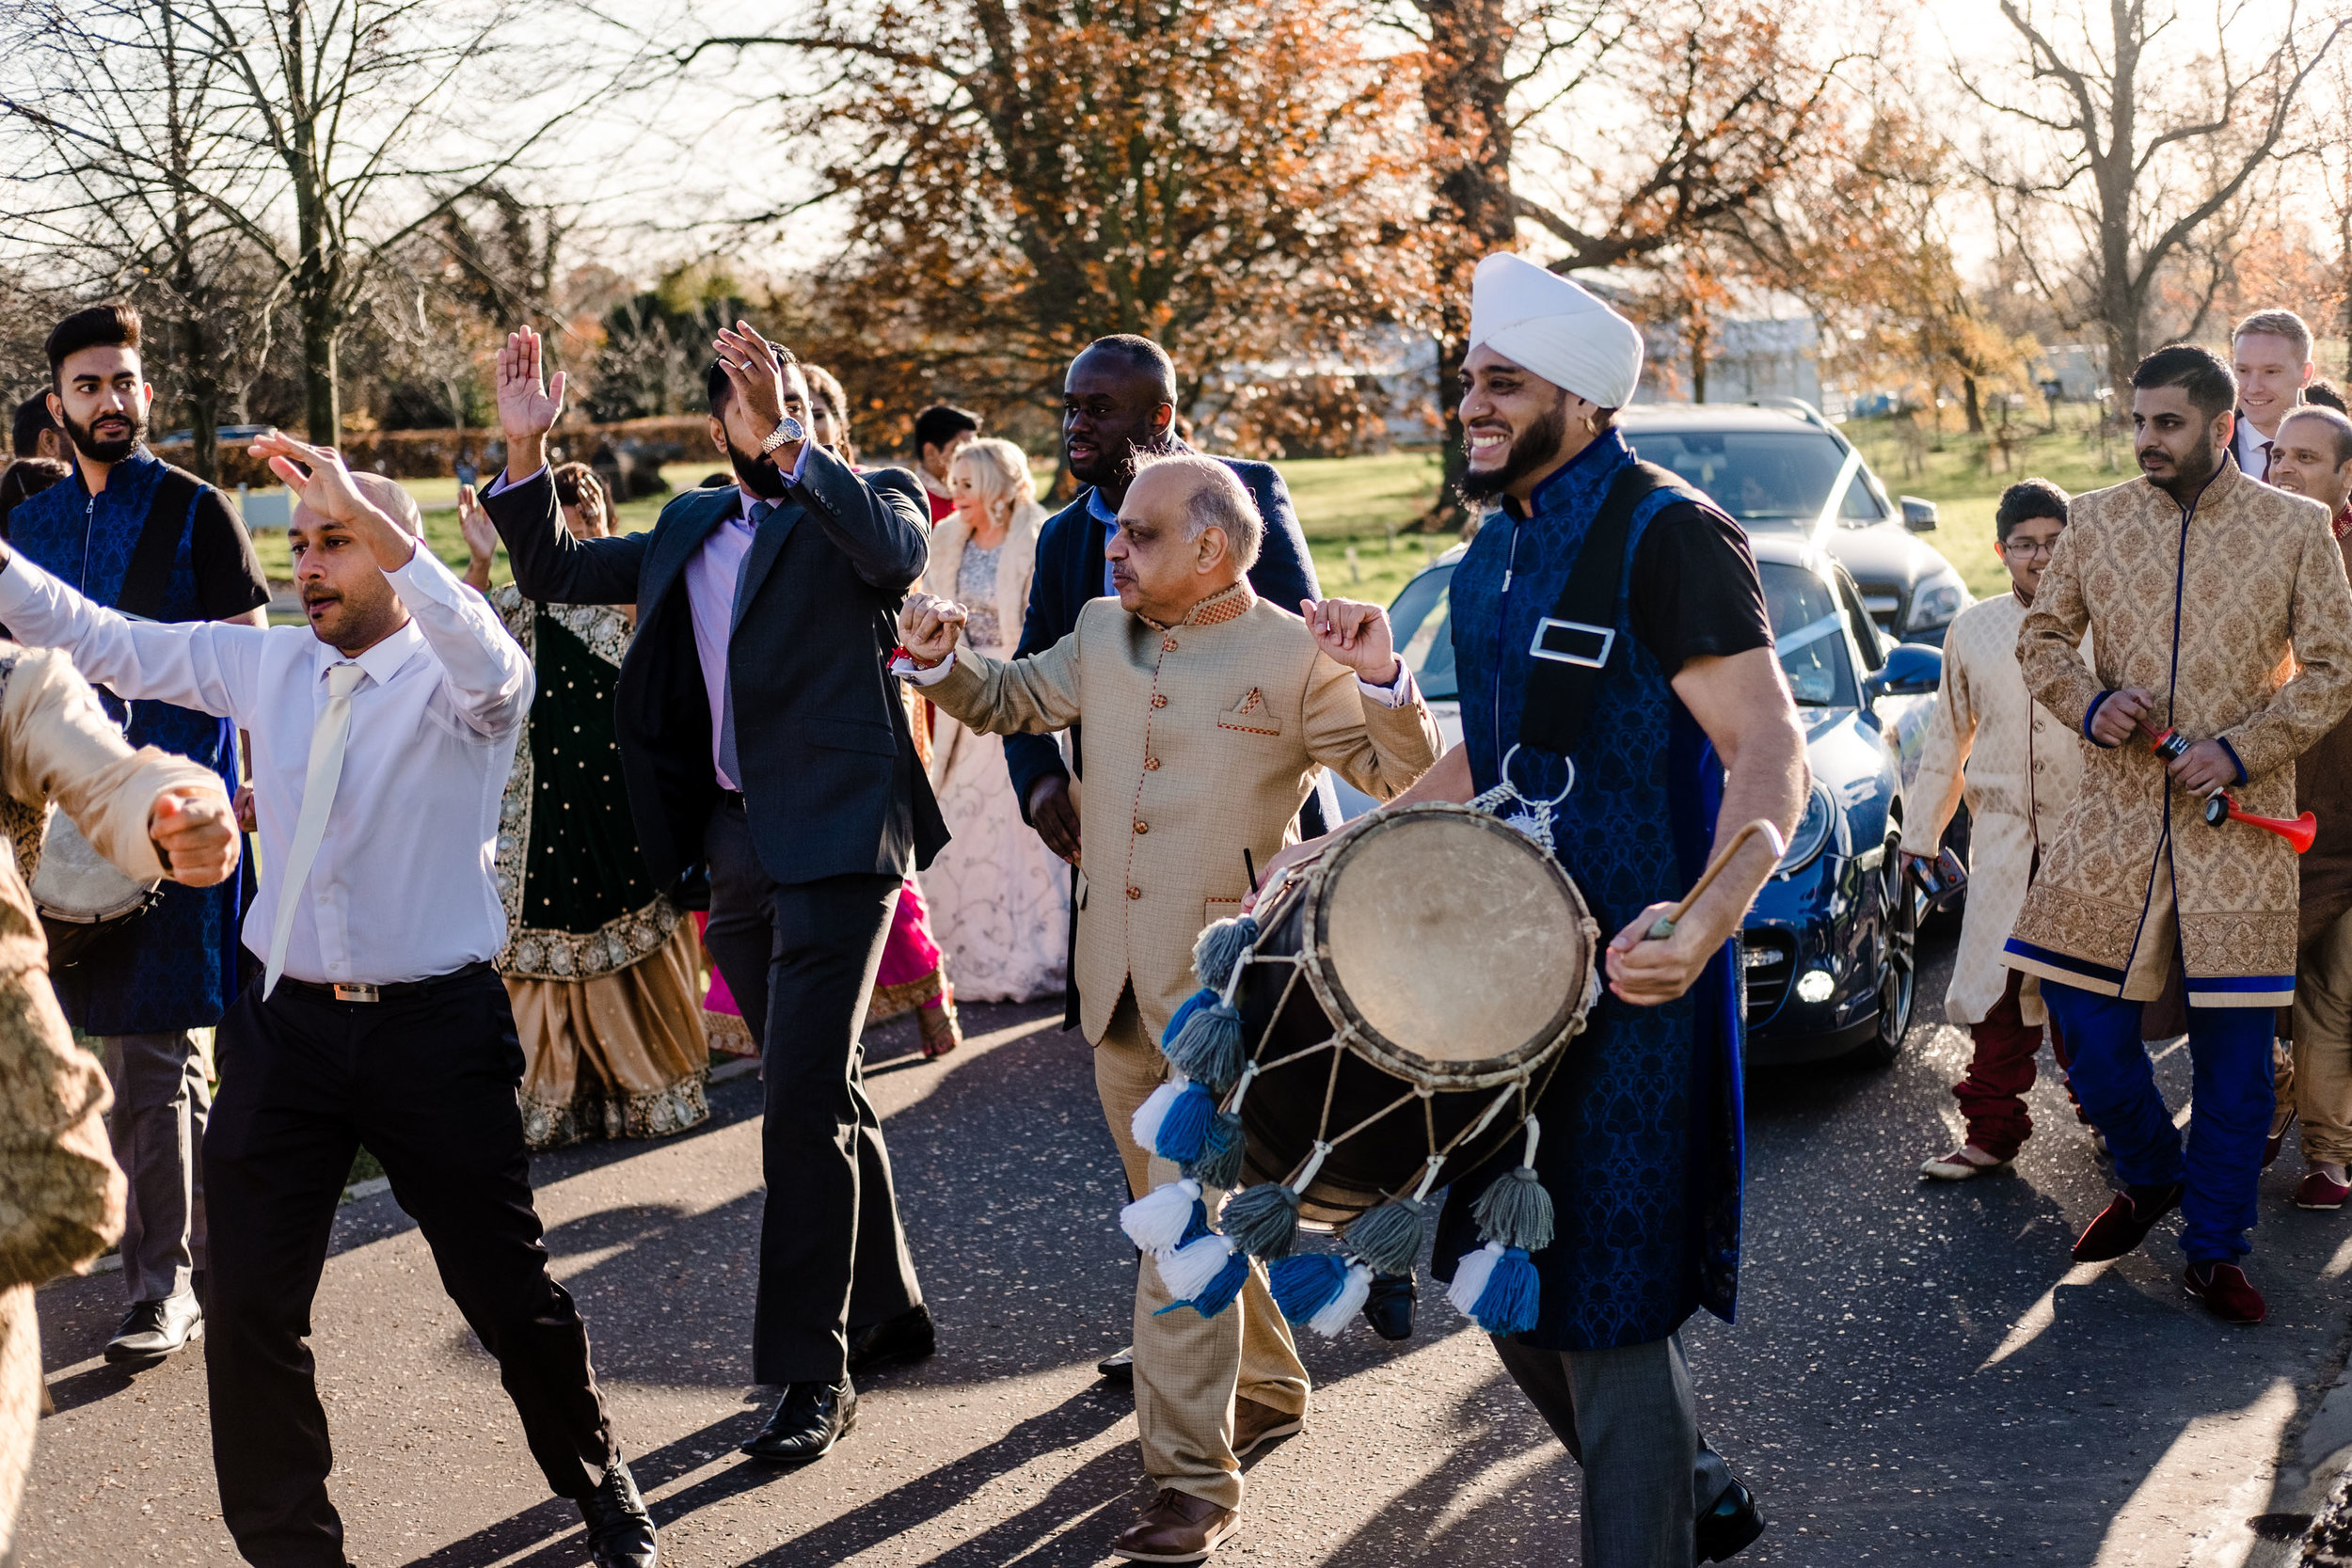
(2022, 765)
(1207, 711)
(152, 814)
(2219, 619)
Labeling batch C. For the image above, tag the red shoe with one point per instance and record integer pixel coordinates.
(2226, 1293)
(2123, 1224)
(2319, 1191)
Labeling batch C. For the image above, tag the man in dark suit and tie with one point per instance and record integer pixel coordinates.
(762, 737)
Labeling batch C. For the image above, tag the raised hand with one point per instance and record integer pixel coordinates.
(317, 477)
(927, 627)
(195, 834)
(750, 363)
(528, 404)
(1355, 634)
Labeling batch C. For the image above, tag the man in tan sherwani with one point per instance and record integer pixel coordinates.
(2220, 619)
(152, 814)
(2018, 765)
(1207, 711)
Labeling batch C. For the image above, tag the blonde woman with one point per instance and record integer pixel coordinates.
(602, 969)
(1000, 900)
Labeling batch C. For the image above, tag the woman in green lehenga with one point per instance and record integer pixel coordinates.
(604, 972)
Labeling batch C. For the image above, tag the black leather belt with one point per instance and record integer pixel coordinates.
(398, 991)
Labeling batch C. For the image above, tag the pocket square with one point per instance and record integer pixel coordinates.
(1252, 715)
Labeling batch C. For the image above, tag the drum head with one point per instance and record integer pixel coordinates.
(77, 884)
(1454, 953)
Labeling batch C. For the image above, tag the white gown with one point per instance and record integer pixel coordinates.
(999, 898)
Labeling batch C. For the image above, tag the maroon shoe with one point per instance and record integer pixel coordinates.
(2226, 1293)
(2123, 1224)
(2319, 1191)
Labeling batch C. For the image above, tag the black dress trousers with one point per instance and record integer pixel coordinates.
(801, 958)
(427, 1080)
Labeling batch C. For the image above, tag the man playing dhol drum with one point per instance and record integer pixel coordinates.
(1206, 711)
(1650, 669)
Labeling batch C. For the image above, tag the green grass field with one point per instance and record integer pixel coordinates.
(1355, 510)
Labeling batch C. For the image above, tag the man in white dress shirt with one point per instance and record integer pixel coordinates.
(381, 741)
(2271, 351)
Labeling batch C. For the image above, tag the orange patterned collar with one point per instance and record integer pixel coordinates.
(1225, 604)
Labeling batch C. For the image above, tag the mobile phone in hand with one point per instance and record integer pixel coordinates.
(1940, 878)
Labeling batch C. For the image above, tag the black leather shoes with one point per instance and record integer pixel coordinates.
(806, 1423)
(1730, 1527)
(620, 1531)
(1389, 1307)
(908, 1337)
(1119, 1366)
(155, 1329)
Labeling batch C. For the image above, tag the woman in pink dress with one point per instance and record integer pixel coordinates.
(913, 976)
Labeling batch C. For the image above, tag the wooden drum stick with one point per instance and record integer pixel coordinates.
(1664, 927)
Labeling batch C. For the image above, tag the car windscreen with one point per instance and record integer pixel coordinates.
(1809, 635)
(1421, 620)
(1763, 478)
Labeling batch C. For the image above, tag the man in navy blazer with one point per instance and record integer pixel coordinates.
(1120, 399)
(761, 736)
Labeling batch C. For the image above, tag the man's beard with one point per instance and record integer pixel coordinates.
(2190, 474)
(105, 451)
(1530, 451)
(758, 475)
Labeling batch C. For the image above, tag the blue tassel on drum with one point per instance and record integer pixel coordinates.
(1185, 1010)
(1497, 1289)
(1185, 1127)
(1205, 1274)
(1320, 1291)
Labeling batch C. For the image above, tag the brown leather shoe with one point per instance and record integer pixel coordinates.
(1255, 1424)
(1176, 1528)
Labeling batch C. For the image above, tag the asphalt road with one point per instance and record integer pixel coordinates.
(1918, 1375)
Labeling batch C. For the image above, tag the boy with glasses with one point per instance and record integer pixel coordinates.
(2018, 766)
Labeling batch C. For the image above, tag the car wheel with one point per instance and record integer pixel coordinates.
(1899, 909)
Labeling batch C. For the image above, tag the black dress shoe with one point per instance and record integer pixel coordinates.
(155, 1329)
(1389, 1307)
(620, 1531)
(1731, 1526)
(908, 1337)
(1119, 1366)
(806, 1423)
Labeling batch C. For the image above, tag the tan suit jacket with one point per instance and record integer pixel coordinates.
(1201, 741)
(60, 1193)
(2235, 613)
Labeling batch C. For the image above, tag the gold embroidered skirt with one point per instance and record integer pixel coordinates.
(620, 1056)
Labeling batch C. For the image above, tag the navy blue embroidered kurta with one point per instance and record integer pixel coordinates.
(1641, 1124)
(175, 967)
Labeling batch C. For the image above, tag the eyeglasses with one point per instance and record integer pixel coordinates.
(2030, 547)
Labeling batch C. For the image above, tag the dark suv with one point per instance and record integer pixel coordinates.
(1790, 472)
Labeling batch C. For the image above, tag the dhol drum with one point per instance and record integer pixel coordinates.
(84, 898)
(1386, 1022)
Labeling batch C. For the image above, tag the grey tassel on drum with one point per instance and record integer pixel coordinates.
(1219, 948)
(1514, 1210)
(1389, 1238)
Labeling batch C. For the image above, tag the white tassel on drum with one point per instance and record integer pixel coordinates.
(1158, 1222)
(1191, 1268)
(1344, 1307)
(1154, 1109)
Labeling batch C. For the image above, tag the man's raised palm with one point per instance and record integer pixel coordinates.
(528, 406)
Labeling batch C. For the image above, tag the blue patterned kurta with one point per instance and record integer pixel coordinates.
(1642, 1126)
(176, 966)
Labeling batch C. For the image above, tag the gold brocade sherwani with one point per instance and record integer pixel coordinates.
(60, 1193)
(2234, 611)
(1201, 741)
(2019, 766)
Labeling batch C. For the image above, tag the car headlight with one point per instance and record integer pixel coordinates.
(1939, 596)
(1814, 831)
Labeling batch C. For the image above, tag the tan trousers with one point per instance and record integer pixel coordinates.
(1188, 1368)
(2322, 1044)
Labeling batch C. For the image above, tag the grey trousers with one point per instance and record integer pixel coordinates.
(163, 1097)
(1627, 1415)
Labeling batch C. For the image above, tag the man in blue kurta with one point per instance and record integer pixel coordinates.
(1686, 725)
(134, 533)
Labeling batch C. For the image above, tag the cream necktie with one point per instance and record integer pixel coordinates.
(318, 798)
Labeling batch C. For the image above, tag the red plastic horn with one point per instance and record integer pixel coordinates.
(2298, 832)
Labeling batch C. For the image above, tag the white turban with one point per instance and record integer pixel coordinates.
(1541, 322)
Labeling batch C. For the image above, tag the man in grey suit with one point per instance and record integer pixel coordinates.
(761, 737)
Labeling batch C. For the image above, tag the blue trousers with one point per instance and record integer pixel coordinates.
(2229, 1050)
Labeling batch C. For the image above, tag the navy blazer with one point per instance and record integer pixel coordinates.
(831, 783)
(1070, 572)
